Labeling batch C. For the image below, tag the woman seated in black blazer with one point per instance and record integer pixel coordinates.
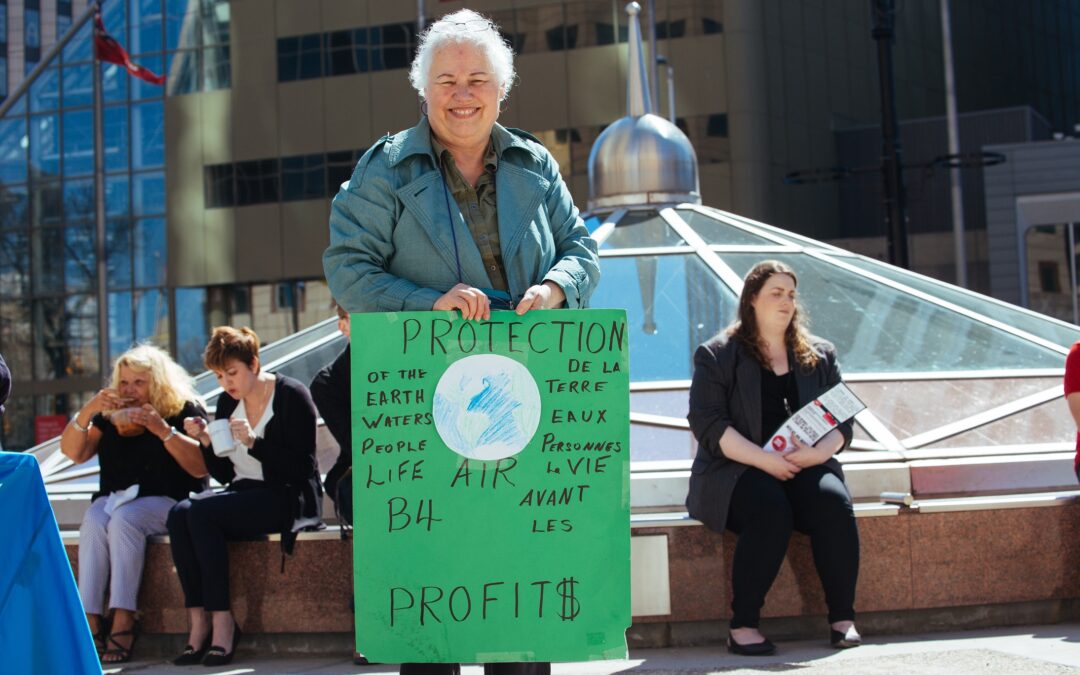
(747, 382)
(273, 486)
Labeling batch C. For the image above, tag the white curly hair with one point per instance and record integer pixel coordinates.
(464, 27)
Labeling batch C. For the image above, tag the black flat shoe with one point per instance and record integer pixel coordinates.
(191, 656)
(764, 648)
(844, 640)
(216, 656)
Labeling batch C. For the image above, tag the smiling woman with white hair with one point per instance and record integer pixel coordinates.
(459, 212)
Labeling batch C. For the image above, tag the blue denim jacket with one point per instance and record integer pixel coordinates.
(393, 230)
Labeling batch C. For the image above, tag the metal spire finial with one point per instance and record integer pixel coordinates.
(638, 101)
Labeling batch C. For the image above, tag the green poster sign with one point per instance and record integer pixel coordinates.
(491, 478)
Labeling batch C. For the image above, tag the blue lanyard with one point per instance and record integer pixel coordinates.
(450, 219)
(492, 294)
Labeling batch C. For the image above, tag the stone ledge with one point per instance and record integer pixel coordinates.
(935, 562)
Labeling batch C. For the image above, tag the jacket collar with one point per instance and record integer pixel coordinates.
(417, 141)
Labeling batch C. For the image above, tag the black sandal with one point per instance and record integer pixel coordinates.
(122, 653)
(100, 638)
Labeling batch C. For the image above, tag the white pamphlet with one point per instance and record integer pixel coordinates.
(815, 419)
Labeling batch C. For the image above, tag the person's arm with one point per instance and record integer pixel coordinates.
(184, 449)
(5, 383)
(576, 271)
(330, 390)
(1072, 383)
(80, 438)
(1074, 407)
(712, 424)
(362, 220)
(836, 440)
(288, 449)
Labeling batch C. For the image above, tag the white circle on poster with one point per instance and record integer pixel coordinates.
(486, 407)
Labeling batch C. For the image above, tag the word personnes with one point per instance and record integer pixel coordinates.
(441, 336)
(554, 599)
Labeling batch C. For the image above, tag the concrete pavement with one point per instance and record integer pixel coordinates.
(1045, 650)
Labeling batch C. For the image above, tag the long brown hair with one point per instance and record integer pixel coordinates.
(745, 328)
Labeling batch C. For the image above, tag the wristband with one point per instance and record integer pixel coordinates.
(169, 436)
(78, 427)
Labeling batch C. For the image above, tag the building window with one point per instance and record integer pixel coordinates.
(717, 125)
(284, 297)
(711, 26)
(299, 57)
(257, 182)
(218, 186)
(303, 177)
(32, 34)
(666, 30)
(63, 18)
(395, 45)
(339, 168)
(1049, 280)
(343, 55)
(240, 299)
(562, 37)
(605, 34)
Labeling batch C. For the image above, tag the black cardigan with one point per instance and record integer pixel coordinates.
(286, 450)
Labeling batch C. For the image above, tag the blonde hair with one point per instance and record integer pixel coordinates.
(171, 387)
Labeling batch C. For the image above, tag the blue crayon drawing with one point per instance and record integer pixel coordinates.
(486, 407)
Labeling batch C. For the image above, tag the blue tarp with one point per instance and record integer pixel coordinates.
(42, 625)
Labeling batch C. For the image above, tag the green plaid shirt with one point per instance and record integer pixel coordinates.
(479, 208)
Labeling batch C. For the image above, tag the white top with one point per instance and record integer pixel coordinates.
(245, 465)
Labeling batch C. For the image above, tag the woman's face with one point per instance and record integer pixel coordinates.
(774, 305)
(462, 96)
(134, 385)
(237, 379)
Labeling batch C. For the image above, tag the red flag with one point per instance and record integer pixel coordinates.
(107, 49)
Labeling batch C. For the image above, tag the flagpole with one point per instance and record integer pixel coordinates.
(99, 202)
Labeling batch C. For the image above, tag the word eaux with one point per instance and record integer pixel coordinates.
(498, 599)
(560, 416)
(485, 336)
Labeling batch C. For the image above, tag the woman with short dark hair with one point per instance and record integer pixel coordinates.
(272, 480)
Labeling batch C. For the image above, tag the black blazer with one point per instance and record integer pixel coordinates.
(286, 450)
(726, 392)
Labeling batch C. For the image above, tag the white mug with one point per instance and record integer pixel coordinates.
(221, 437)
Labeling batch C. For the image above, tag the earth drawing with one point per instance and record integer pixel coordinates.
(486, 407)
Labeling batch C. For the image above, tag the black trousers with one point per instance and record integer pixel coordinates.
(763, 513)
(537, 668)
(199, 530)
